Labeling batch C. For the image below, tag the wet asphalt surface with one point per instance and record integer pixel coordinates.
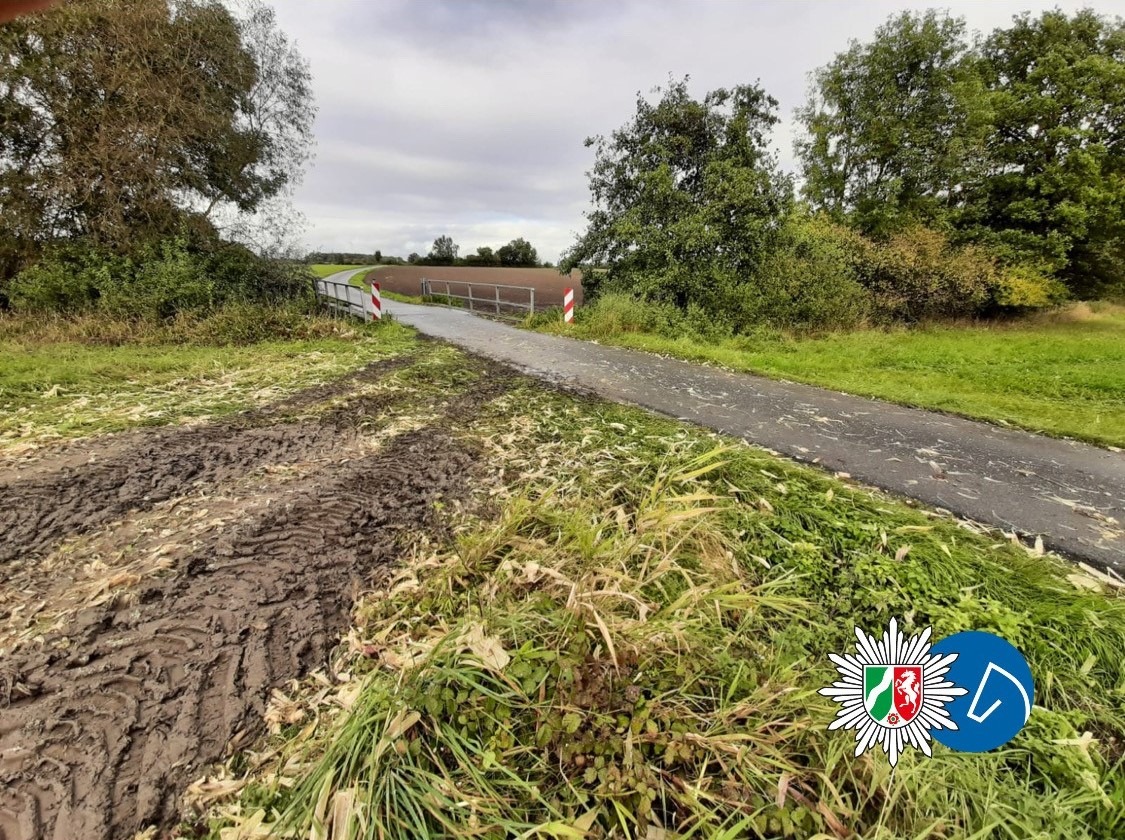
(1071, 494)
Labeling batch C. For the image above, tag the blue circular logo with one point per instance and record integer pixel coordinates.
(1000, 691)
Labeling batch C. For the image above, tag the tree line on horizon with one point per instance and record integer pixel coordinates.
(519, 253)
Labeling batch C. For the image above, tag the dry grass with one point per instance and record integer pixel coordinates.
(1081, 312)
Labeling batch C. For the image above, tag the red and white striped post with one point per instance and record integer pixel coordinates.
(376, 302)
(568, 306)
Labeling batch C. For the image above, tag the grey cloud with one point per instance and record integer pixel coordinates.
(467, 117)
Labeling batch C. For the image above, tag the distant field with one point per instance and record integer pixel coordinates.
(1063, 375)
(407, 280)
(322, 270)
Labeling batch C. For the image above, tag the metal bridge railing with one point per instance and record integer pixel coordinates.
(491, 300)
(341, 298)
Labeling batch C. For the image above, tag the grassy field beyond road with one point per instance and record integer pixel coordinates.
(1063, 376)
(323, 270)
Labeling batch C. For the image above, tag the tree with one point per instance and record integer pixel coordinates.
(1055, 187)
(895, 127)
(378, 256)
(1017, 144)
(414, 258)
(483, 256)
(125, 122)
(443, 252)
(278, 112)
(518, 252)
(686, 198)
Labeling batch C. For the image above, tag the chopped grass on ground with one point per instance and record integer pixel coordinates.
(1064, 376)
(629, 644)
(53, 388)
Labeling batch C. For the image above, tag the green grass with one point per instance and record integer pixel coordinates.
(633, 639)
(362, 281)
(417, 299)
(323, 270)
(52, 388)
(1059, 376)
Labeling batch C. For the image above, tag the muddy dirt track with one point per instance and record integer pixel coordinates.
(121, 704)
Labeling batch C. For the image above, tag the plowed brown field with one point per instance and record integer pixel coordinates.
(547, 282)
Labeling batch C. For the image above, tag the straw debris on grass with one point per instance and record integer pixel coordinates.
(51, 390)
(629, 644)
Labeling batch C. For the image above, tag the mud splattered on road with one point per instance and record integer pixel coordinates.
(108, 716)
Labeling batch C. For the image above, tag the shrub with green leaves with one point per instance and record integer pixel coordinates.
(159, 280)
(1023, 287)
(920, 275)
(810, 279)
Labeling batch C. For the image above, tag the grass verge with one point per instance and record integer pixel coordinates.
(629, 644)
(63, 378)
(1062, 375)
(324, 270)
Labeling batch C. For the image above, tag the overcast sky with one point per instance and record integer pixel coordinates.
(467, 117)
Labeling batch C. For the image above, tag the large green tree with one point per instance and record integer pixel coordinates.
(124, 120)
(1055, 186)
(484, 256)
(518, 253)
(1017, 142)
(443, 252)
(686, 197)
(894, 128)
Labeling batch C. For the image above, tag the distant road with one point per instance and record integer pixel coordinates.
(1070, 493)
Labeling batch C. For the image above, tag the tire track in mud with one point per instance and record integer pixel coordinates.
(143, 470)
(122, 712)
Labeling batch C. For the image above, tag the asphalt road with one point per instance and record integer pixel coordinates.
(1072, 494)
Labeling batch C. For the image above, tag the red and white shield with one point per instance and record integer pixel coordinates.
(907, 692)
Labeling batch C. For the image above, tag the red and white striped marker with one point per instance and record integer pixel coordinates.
(568, 306)
(376, 303)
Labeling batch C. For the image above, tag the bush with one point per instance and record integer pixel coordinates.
(810, 279)
(819, 275)
(159, 281)
(615, 312)
(58, 284)
(919, 275)
(241, 275)
(1025, 287)
(165, 280)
